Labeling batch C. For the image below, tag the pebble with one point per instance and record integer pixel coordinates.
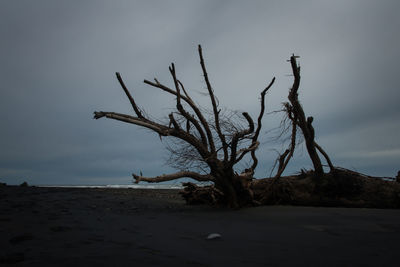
(213, 236)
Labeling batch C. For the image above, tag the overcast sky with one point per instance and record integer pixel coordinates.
(59, 58)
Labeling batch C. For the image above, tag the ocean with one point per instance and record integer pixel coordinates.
(134, 186)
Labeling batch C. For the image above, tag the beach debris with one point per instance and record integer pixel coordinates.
(194, 194)
(213, 236)
(24, 184)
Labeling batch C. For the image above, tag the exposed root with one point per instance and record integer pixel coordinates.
(194, 194)
(339, 188)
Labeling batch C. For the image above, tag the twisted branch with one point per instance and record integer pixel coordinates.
(237, 136)
(304, 124)
(169, 177)
(259, 125)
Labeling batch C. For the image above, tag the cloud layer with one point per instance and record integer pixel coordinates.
(59, 59)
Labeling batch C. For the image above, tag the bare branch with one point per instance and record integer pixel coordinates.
(242, 152)
(160, 129)
(173, 122)
(328, 160)
(239, 135)
(184, 91)
(183, 111)
(189, 138)
(282, 161)
(169, 177)
(304, 124)
(161, 86)
(184, 156)
(188, 128)
(259, 125)
(192, 105)
(214, 105)
(288, 154)
(134, 106)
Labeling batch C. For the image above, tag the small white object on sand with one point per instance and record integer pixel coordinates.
(213, 236)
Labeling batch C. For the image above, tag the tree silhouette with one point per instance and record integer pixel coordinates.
(208, 144)
(220, 142)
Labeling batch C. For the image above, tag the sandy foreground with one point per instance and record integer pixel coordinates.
(143, 227)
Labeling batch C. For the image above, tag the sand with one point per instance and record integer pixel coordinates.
(132, 227)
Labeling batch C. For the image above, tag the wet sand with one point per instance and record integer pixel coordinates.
(143, 227)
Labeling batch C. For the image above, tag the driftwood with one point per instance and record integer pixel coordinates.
(194, 194)
(217, 143)
(208, 149)
(295, 113)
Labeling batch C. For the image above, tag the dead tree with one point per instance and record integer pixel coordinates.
(218, 149)
(295, 113)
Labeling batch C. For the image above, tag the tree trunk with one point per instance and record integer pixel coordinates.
(312, 152)
(223, 182)
(304, 123)
(234, 187)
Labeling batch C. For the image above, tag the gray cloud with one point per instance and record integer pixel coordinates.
(59, 58)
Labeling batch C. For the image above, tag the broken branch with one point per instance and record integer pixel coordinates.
(169, 177)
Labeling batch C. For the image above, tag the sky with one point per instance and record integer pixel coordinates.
(59, 58)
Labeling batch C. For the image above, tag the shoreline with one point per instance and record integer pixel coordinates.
(131, 186)
(153, 227)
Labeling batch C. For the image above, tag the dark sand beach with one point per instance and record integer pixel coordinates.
(143, 227)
